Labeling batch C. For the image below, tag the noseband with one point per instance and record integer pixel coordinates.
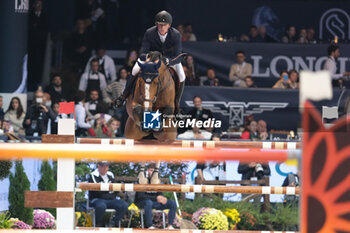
(148, 78)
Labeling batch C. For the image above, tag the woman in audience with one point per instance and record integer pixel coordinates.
(287, 80)
(15, 115)
(251, 131)
(114, 128)
(130, 60)
(81, 125)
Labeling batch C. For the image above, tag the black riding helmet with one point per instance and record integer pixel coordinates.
(163, 17)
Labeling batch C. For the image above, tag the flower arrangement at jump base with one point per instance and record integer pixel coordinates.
(83, 219)
(210, 219)
(233, 218)
(43, 220)
(18, 224)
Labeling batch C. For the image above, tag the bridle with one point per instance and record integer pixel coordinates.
(147, 78)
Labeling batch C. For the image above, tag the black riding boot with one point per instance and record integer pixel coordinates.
(178, 96)
(127, 90)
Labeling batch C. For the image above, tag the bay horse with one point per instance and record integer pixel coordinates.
(153, 91)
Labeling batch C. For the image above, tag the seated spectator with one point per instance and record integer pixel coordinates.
(91, 104)
(115, 89)
(79, 45)
(290, 36)
(106, 65)
(15, 115)
(2, 114)
(262, 130)
(99, 129)
(191, 72)
(102, 200)
(240, 70)
(253, 35)
(57, 91)
(212, 80)
(53, 123)
(154, 200)
(81, 119)
(93, 80)
(37, 116)
(249, 82)
(188, 34)
(302, 37)
(195, 133)
(310, 36)
(292, 180)
(5, 128)
(250, 132)
(181, 29)
(114, 127)
(130, 60)
(288, 82)
(199, 113)
(264, 36)
(282, 82)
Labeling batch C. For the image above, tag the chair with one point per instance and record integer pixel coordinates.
(329, 113)
(92, 210)
(142, 212)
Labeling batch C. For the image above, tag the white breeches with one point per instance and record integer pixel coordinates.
(177, 67)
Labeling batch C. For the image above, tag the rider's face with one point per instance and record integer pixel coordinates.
(163, 28)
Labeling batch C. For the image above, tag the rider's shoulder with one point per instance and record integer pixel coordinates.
(151, 29)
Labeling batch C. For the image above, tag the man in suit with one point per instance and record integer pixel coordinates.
(240, 70)
(166, 40)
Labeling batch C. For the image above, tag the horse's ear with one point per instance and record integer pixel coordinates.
(140, 65)
(159, 64)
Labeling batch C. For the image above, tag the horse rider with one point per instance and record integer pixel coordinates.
(166, 40)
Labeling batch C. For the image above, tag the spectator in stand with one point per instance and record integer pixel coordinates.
(310, 36)
(1, 109)
(240, 70)
(37, 37)
(85, 9)
(79, 46)
(199, 113)
(191, 72)
(249, 82)
(56, 90)
(93, 80)
(181, 29)
(91, 104)
(36, 120)
(195, 133)
(212, 80)
(114, 127)
(253, 35)
(101, 201)
(290, 36)
(282, 82)
(5, 128)
(263, 35)
(15, 115)
(115, 89)
(302, 37)
(99, 129)
(53, 123)
(262, 130)
(106, 65)
(251, 132)
(331, 65)
(188, 33)
(288, 80)
(130, 60)
(81, 125)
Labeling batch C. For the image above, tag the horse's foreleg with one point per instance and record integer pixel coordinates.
(133, 131)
